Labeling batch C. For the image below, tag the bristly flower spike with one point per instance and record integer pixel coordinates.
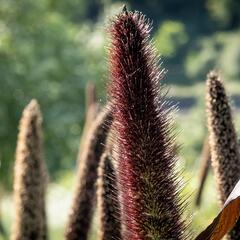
(223, 141)
(108, 200)
(148, 183)
(30, 178)
(80, 217)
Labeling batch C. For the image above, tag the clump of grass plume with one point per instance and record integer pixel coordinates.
(148, 184)
(223, 141)
(108, 202)
(30, 177)
(79, 221)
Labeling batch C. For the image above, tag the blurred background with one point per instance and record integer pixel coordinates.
(50, 49)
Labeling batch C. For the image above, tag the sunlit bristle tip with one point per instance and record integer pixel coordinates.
(124, 9)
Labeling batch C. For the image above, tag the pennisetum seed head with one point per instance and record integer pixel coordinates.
(30, 177)
(108, 199)
(148, 184)
(223, 141)
(80, 217)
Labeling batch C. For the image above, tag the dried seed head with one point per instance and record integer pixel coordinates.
(148, 185)
(223, 141)
(30, 177)
(108, 202)
(84, 198)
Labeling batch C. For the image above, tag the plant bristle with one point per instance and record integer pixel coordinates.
(108, 201)
(80, 218)
(30, 178)
(223, 141)
(148, 185)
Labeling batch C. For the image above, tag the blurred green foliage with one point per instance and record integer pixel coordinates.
(170, 36)
(220, 50)
(225, 12)
(49, 49)
(44, 55)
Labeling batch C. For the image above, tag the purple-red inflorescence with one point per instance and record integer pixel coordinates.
(148, 184)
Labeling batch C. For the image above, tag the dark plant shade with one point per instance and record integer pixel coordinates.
(85, 193)
(223, 141)
(148, 184)
(108, 202)
(3, 233)
(30, 178)
(205, 161)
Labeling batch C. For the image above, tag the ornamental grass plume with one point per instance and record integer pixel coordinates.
(30, 178)
(79, 221)
(107, 199)
(223, 141)
(204, 168)
(148, 184)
